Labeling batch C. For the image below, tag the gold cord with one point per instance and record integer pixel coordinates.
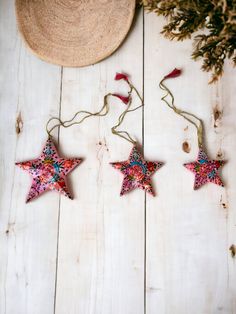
(124, 134)
(68, 123)
(101, 113)
(186, 115)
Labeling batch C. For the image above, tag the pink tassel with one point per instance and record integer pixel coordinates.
(124, 99)
(121, 76)
(174, 73)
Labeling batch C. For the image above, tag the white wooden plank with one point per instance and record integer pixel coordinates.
(228, 201)
(30, 91)
(189, 269)
(101, 240)
(101, 243)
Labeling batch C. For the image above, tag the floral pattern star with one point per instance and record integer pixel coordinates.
(137, 172)
(205, 170)
(49, 171)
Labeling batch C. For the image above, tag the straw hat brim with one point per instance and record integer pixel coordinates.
(74, 33)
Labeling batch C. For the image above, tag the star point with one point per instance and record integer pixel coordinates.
(205, 170)
(49, 171)
(137, 172)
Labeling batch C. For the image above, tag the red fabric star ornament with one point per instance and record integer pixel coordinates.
(49, 171)
(137, 172)
(205, 170)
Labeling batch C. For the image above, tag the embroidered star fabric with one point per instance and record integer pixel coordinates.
(137, 172)
(205, 170)
(49, 171)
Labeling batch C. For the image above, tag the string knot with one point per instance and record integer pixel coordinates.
(178, 111)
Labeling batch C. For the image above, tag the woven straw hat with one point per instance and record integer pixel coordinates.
(74, 32)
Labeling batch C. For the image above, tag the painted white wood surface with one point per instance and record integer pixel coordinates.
(101, 235)
(102, 254)
(189, 267)
(29, 94)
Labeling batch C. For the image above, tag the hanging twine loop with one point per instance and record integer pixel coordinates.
(68, 123)
(102, 112)
(124, 134)
(193, 119)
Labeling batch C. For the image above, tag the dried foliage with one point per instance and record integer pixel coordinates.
(216, 17)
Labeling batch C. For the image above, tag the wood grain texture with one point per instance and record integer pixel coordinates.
(102, 253)
(29, 93)
(189, 267)
(101, 239)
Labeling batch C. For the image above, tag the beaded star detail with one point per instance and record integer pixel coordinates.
(205, 170)
(49, 171)
(137, 172)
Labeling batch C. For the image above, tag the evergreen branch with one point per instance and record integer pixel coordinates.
(217, 17)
